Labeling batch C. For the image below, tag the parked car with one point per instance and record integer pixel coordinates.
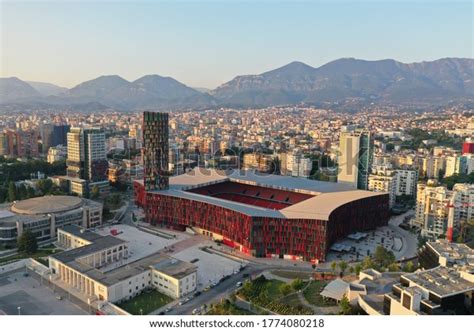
(239, 284)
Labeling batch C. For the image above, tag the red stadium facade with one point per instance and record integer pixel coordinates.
(270, 216)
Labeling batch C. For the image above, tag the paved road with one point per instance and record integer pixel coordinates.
(410, 241)
(216, 294)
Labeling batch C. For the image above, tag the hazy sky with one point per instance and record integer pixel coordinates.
(204, 44)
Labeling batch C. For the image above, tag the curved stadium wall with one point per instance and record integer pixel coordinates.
(309, 239)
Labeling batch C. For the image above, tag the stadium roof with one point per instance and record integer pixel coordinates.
(327, 195)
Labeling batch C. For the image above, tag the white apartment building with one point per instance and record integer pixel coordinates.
(406, 181)
(431, 210)
(433, 166)
(57, 153)
(297, 165)
(396, 182)
(438, 208)
(384, 183)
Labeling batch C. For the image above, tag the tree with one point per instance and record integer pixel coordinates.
(27, 243)
(383, 257)
(393, 267)
(11, 192)
(421, 241)
(368, 263)
(409, 267)
(358, 269)
(45, 185)
(22, 193)
(114, 200)
(297, 284)
(351, 269)
(95, 192)
(345, 306)
(284, 289)
(343, 266)
(334, 266)
(31, 193)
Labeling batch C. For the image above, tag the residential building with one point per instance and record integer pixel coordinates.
(297, 165)
(57, 153)
(384, 183)
(442, 212)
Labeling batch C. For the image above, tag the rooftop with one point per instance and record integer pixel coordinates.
(98, 245)
(441, 281)
(460, 254)
(81, 232)
(47, 204)
(174, 267)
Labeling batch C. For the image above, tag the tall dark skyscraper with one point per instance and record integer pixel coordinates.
(60, 134)
(155, 150)
(53, 135)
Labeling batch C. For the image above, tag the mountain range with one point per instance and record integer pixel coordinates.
(344, 81)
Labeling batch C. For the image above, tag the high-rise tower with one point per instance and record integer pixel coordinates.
(355, 159)
(155, 150)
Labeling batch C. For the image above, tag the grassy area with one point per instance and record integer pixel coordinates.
(312, 294)
(145, 303)
(273, 290)
(227, 308)
(42, 252)
(293, 300)
(266, 293)
(291, 274)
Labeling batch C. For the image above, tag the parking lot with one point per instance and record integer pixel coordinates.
(211, 267)
(26, 296)
(359, 249)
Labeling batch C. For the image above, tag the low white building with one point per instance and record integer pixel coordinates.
(99, 268)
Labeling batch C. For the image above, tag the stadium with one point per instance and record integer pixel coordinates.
(264, 215)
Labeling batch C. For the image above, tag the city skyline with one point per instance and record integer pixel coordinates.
(205, 45)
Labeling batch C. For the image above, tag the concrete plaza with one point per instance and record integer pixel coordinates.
(16, 290)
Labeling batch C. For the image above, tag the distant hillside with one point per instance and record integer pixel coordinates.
(47, 89)
(345, 80)
(12, 89)
(381, 81)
